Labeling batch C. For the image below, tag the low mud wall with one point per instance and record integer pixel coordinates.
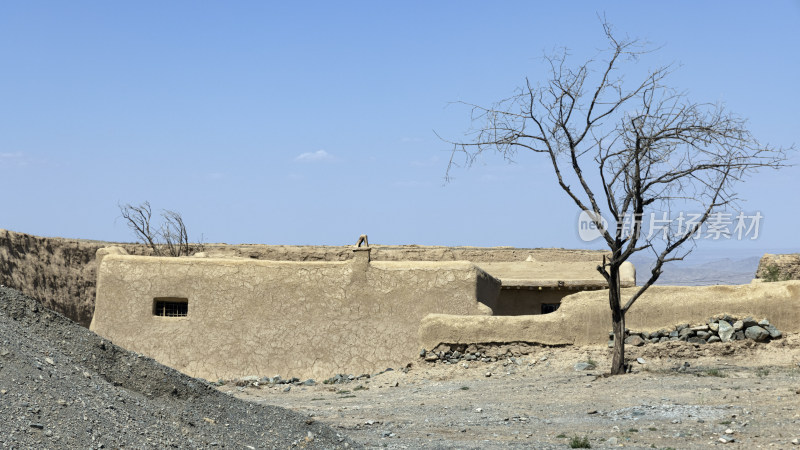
(585, 318)
(305, 319)
(62, 273)
(779, 267)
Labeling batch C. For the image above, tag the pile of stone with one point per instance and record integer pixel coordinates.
(483, 352)
(256, 381)
(723, 328)
(344, 378)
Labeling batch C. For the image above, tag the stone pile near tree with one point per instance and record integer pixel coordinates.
(487, 352)
(723, 328)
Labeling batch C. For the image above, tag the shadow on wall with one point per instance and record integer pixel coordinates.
(60, 273)
(584, 318)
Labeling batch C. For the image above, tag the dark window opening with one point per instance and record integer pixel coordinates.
(170, 307)
(549, 307)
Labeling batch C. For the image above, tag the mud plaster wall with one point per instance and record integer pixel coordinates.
(585, 318)
(518, 302)
(788, 266)
(61, 272)
(304, 319)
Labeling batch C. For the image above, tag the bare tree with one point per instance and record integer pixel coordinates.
(169, 239)
(653, 148)
(138, 219)
(173, 231)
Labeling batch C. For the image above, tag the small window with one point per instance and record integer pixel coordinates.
(170, 307)
(547, 308)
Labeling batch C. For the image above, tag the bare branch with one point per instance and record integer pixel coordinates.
(654, 149)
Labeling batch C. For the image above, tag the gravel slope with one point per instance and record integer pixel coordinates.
(62, 386)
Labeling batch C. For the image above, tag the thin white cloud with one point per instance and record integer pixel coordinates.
(13, 159)
(311, 157)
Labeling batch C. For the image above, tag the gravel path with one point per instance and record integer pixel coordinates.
(62, 386)
(684, 396)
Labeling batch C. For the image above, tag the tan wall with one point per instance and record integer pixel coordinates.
(61, 272)
(304, 319)
(521, 302)
(585, 318)
(788, 266)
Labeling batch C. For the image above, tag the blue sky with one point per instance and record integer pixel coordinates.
(313, 122)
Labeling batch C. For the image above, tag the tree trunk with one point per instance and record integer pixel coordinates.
(618, 319)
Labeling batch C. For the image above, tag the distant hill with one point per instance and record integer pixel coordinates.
(700, 273)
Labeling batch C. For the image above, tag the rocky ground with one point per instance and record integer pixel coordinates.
(739, 394)
(62, 386)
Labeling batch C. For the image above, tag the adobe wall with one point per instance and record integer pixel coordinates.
(61, 272)
(585, 318)
(58, 272)
(787, 266)
(520, 302)
(304, 319)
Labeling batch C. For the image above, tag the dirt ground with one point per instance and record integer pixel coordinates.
(743, 393)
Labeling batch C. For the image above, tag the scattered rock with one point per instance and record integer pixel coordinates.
(749, 322)
(103, 396)
(641, 361)
(757, 334)
(583, 366)
(725, 331)
(634, 340)
(774, 333)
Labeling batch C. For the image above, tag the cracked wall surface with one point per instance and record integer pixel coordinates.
(61, 272)
(303, 319)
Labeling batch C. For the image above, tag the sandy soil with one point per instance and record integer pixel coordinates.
(745, 393)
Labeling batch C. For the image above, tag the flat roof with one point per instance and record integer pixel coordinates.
(575, 274)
